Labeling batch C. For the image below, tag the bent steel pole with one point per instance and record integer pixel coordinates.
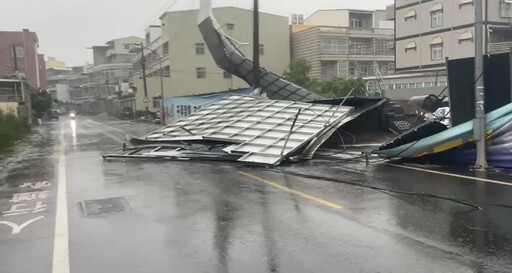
(479, 122)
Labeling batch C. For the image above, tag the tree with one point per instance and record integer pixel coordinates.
(298, 72)
(336, 88)
(41, 102)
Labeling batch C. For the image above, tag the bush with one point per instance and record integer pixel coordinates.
(12, 128)
(144, 114)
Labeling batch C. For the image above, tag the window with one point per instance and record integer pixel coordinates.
(200, 49)
(165, 49)
(356, 22)
(436, 14)
(201, 72)
(127, 46)
(363, 71)
(411, 14)
(505, 9)
(167, 71)
(156, 102)
(355, 47)
(352, 72)
(262, 50)
(436, 47)
(437, 52)
(230, 26)
(227, 75)
(334, 46)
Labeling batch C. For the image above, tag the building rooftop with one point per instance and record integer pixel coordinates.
(218, 8)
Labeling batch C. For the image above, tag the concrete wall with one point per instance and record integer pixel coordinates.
(336, 18)
(117, 46)
(181, 32)
(9, 107)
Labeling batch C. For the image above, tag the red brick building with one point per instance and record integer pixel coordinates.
(19, 52)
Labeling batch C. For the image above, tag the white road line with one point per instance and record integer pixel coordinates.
(451, 174)
(111, 136)
(61, 242)
(113, 128)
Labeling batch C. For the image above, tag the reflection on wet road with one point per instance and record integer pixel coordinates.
(143, 216)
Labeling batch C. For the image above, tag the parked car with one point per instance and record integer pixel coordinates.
(54, 114)
(126, 113)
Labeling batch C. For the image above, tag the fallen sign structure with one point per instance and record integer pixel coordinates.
(455, 146)
(246, 129)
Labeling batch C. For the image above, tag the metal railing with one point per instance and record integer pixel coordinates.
(496, 48)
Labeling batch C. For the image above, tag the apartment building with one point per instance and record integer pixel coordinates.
(19, 55)
(66, 83)
(429, 31)
(189, 68)
(112, 67)
(345, 43)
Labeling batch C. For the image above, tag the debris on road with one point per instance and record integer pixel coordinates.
(456, 145)
(246, 129)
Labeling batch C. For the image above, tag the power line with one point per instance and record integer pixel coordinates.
(169, 4)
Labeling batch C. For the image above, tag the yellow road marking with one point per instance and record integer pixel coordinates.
(283, 188)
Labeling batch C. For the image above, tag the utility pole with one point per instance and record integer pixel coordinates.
(108, 82)
(479, 122)
(143, 63)
(256, 46)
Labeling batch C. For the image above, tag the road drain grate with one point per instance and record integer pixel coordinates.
(99, 207)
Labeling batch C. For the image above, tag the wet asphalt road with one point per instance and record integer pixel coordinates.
(205, 217)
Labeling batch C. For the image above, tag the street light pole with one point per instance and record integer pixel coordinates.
(143, 64)
(479, 122)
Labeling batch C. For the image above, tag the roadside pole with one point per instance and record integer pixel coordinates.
(256, 46)
(143, 64)
(162, 108)
(479, 121)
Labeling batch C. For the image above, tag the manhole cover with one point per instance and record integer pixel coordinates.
(104, 206)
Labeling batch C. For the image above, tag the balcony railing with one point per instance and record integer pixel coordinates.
(497, 48)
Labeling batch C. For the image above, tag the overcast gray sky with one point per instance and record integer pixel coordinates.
(66, 27)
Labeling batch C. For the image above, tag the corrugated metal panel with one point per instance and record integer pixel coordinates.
(260, 127)
(230, 59)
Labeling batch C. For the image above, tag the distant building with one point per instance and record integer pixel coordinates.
(112, 67)
(345, 43)
(188, 67)
(19, 55)
(429, 31)
(52, 62)
(67, 84)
